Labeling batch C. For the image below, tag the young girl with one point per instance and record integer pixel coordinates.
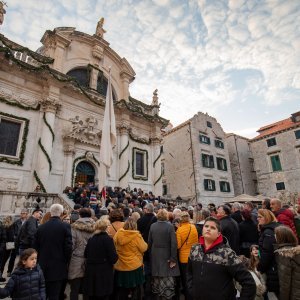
(27, 280)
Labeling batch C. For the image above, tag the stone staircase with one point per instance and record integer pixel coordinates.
(12, 202)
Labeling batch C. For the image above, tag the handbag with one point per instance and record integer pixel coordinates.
(10, 245)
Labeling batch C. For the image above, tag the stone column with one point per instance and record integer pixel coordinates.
(157, 172)
(43, 168)
(59, 56)
(69, 151)
(124, 155)
(125, 85)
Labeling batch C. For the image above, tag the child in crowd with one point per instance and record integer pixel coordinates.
(27, 280)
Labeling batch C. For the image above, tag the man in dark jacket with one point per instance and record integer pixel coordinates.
(54, 246)
(143, 225)
(28, 230)
(229, 227)
(236, 212)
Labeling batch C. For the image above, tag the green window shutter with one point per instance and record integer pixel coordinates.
(276, 165)
(206, 184)
(225, 165)
(211, 161)
(203, 160)
(213, 185)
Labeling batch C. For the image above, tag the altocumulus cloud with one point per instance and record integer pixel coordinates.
(201, 55)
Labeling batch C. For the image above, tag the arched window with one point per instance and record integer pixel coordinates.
(102, 83)
(81, 75)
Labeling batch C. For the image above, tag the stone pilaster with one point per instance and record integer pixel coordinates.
(157, 172)
(50, 107)
(69, 151)
(125, 85)
(61, 44)
(124, 155)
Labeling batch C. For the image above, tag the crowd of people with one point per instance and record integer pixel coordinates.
(125, 244)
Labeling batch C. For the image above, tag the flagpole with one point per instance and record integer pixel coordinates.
(108, 138)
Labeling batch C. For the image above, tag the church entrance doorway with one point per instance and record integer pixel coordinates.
(85, 173)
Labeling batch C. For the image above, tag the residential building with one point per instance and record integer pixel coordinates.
(51, 112)
(242, 165)
(196, 162)
(276, 154)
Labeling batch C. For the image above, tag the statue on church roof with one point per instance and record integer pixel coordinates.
(99, 30)
(2, 11)
(155, 98)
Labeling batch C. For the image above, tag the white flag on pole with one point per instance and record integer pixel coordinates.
(109, 137)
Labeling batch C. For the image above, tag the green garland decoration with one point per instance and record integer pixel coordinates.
(139, 140)
(46, 154)
(133, 105)
(18, 161)
(123, 150)
(128, 167)
(48, 125)
(17, 104)
(38, 180)
(79, 158)
(38, 57)
(138, 177)
(157, 159)
(159, 178)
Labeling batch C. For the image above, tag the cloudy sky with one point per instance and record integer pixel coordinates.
(237, 60)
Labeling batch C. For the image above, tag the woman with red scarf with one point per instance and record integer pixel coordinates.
(213, 265)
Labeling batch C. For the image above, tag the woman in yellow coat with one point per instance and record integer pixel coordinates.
(130, 247)
(187, 236)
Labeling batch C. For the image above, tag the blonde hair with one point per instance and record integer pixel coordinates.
(135, 215)
(162, 215)
(7, 221)
(130, 224)
(268, 215)
(184, 217)
(101, 225)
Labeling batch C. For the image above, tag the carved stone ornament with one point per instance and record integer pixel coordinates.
(97, 52)
(8, 183)
(2, 12)
(22, 99)
(84, 131)
(99, 29)
(51, 104)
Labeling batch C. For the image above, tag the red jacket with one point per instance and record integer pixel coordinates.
(286, 217)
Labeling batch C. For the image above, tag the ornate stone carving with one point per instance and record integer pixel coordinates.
(50, 104)
(22, 99)
(97, 52)
(84, 131)
(9, 183)
(2, 12)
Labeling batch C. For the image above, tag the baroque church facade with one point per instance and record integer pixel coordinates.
(51, 111)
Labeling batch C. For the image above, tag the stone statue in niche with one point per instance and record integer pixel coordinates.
(91, 123)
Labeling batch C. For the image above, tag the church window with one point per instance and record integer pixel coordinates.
(81, 75)
(140, 164)
(10, 135)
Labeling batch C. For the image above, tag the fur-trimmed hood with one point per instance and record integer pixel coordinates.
(84, 224)
(288, 251)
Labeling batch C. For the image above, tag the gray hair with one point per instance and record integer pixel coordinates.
(237, 205)
(149, 207)
(56, 210)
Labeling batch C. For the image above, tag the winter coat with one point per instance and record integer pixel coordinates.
(130, 247)
(187, 236)
(27, 233)
(163, 249)
(101, 255)
(81, 231)
(248, 236)
(288, 264)
(230, 229)
(210, 274)
(54, 247)
(286, 217)
(237, 216)
(267, 263)
(114, 227)
(25, 284)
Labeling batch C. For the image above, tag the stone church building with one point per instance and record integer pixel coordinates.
(51, 110)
